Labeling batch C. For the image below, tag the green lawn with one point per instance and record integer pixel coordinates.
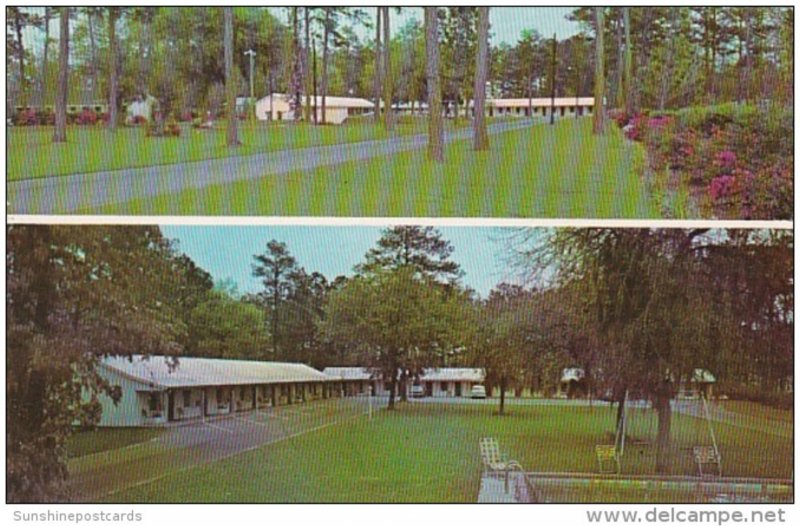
(429, 453)
(542, 171)
(32, 153)
(84, 443)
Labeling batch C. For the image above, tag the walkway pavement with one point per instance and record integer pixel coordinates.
(73, 193)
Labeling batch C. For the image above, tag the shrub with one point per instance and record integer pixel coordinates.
(26, 117)
(86, 117)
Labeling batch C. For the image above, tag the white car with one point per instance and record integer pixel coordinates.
(478, 391)
(417, 391)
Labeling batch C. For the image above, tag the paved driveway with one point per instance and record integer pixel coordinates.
(95, 477)
(72, 193)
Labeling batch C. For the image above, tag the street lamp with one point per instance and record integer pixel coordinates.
(252, 54)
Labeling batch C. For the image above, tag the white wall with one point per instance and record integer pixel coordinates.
(132, 409)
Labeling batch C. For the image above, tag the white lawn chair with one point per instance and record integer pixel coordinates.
(494, 461)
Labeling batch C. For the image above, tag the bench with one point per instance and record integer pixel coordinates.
(494, 461)
(704, 455)
(605, 455)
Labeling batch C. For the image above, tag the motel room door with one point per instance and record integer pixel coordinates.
(458, 388)
(170, 406)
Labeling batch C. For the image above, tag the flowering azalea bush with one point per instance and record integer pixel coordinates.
(86, 117)
(736, 159)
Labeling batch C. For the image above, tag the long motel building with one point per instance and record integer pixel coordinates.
(157, 391)
(436, 382)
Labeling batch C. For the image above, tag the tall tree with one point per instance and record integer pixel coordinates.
(376, 84)
(480, 134)
(276, 267)
(435, 121)
(113, 66)
(388, 117)
(627, 70)
(422, 249)
(307, 71)
(230, 80)
(60, 133)
(598, 126)
(75, 295)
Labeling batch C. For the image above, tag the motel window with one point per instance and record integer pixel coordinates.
(241, 393)
(187, 398)
(219, 394)
(444, 386)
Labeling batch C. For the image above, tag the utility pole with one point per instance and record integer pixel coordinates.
(553, 83)
(252, 54)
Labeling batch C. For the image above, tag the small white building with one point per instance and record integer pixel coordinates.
(451, 381)
(155, 392)
(141, 107)
(277, 107)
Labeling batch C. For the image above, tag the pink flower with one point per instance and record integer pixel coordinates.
(722, 186)
(726, 159)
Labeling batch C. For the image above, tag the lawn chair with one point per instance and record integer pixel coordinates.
(704, 455)
(494, 461)
(607, 455)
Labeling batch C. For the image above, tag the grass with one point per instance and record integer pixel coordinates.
(84, 443)
(428, 453)
(32, 153)
(541, 171)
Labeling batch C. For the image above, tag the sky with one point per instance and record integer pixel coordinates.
(226, 252)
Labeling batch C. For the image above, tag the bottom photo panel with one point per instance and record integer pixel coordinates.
(398, 364)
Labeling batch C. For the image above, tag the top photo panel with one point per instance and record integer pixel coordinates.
(501, 112)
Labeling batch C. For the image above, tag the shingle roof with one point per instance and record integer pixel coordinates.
(189, 372)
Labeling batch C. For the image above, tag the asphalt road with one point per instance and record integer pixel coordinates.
(72, 193)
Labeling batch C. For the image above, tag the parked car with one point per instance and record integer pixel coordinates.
(478, 391)
(417, 391)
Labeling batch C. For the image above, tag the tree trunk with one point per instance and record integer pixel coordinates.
(324, 86)
(145, 60)
(45, 56)
(388, 120)
(60, 133)
(376, 85)
(21, 57)
(309, 80)
(113, 14)
(502, 395)
(627, 80)
(295, 105)
(670, 62)
(230, 85)
(620, 94)
(93, 52)
(481, 135)
(435, 124)
(599, 74)
(392, 390)
(664, 410)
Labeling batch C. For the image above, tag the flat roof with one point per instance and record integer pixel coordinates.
(157, 371)
(437, 374)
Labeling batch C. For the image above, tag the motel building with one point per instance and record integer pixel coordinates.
(540, 107)
(436, 382)
(154, 392)
(276, 107)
